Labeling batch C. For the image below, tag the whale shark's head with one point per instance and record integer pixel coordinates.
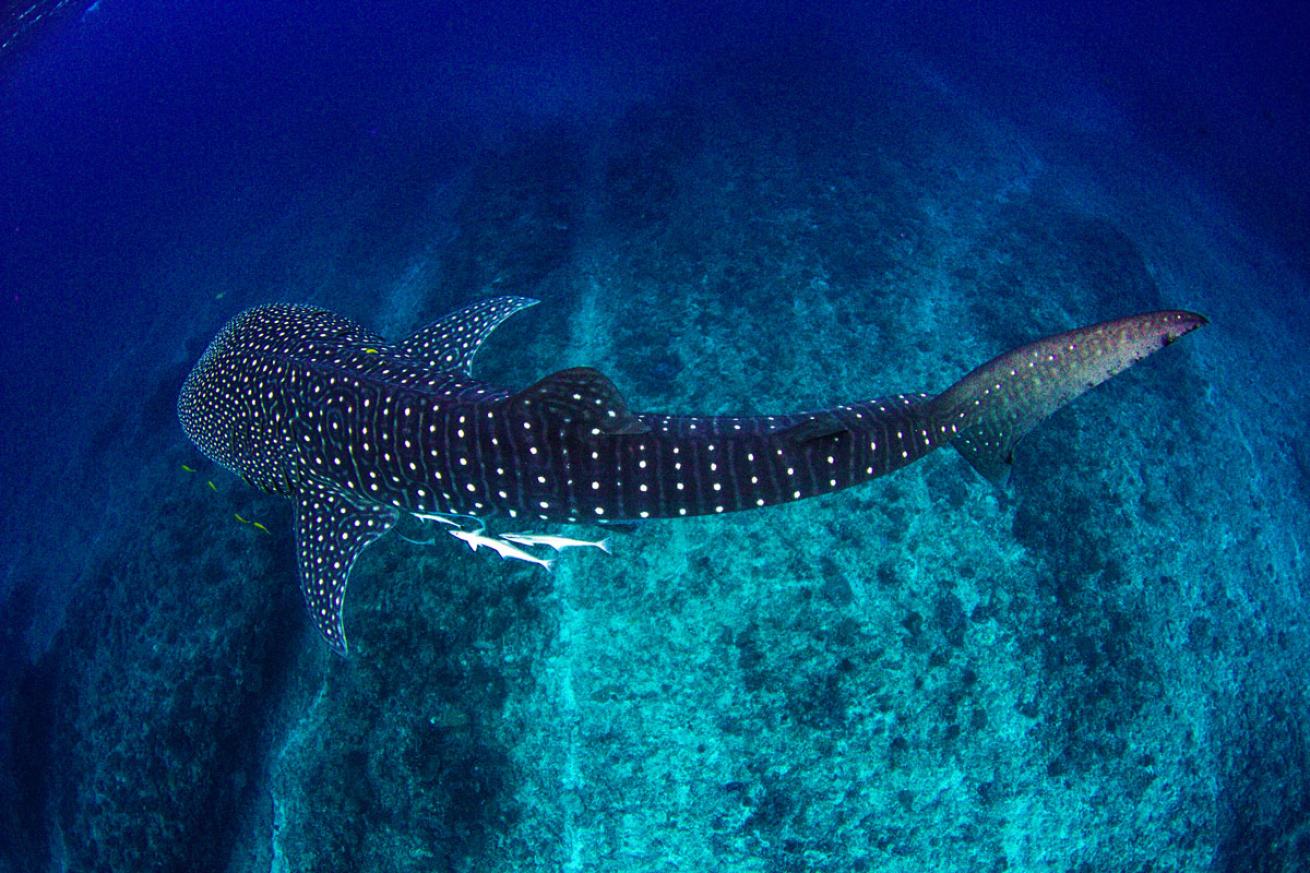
(212, 405)
(236, 403)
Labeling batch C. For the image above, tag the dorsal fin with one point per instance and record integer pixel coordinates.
(580, 394)
(450, 342)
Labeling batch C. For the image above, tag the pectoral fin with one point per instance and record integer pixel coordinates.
(331, 530)
(451, 342)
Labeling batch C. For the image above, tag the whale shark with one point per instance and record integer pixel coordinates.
(359, 431)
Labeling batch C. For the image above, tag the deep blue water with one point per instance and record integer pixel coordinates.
(728, 208)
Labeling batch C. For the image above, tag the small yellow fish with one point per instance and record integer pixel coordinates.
(188, 469)
(210, 483)
(370, 351)
(260, 526)
(238, 517)
(220, 295)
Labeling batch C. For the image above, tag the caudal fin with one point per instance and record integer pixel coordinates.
(988, 411)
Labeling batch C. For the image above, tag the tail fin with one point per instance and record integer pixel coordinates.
(989, 411)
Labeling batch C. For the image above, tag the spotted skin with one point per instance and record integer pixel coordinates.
(302, 402)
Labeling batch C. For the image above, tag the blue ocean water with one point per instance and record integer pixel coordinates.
(727, 208)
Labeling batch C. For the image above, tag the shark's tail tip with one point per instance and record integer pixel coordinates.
(1184, 323)
(1167, 324)
(990, 410)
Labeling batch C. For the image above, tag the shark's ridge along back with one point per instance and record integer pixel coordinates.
(356, 430)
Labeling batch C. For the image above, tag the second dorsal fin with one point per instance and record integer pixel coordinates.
(816, 427)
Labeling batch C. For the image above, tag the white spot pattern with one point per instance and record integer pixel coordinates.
(302, 402)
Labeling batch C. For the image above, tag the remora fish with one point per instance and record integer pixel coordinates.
(356, 430)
